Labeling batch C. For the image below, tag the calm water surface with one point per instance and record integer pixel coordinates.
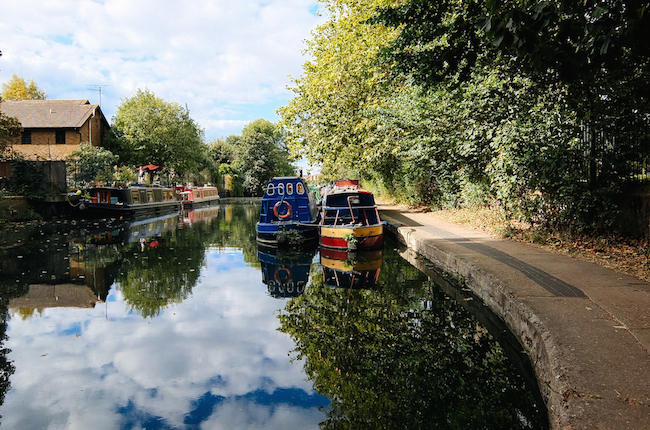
(183, 323)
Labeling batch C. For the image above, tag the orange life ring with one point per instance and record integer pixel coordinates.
(288, 275)
(282, 216)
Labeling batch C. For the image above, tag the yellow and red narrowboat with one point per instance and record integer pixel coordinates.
(350, 219)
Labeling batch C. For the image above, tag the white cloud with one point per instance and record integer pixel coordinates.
(228, 61)
(81, 368)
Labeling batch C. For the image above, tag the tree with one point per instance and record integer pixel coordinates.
(596, 48)
(331, 118)
(17, 88)
(10, 130)
(90, 163)
(224, 151)
(591, 54)
(261, 156)
(147, 129)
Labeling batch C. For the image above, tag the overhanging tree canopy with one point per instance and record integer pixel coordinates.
(148, 129)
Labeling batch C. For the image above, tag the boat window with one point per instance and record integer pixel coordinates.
(196, 194)
(135, 197)
(150, 196)
(280, 189)
(300, 188)
(105, 197)
(270, 190)
(289, 189)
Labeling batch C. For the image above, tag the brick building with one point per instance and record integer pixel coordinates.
(54, 129)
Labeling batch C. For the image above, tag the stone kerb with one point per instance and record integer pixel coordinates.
(521, 321)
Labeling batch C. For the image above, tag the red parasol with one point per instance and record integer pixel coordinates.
(148, 167)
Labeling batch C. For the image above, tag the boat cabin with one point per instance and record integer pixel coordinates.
(347, 207)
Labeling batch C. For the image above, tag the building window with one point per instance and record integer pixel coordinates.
(60, 137)
(27, 137)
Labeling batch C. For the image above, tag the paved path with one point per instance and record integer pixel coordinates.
(585, 327)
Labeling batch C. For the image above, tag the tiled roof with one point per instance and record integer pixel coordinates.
(48, 113)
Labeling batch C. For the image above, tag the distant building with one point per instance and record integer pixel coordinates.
(54, 129)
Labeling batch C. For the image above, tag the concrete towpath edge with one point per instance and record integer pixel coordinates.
(572, 401)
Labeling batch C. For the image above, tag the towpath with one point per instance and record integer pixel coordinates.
(585, 327)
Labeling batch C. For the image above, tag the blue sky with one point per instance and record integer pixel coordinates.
(229, 62)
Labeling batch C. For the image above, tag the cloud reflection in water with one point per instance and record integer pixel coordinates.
(214, 360)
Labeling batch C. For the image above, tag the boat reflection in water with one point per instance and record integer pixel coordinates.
(193, 216)
(351, 269)
(285, 271)
(144, 231)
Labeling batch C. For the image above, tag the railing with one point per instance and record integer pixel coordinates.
(621, 149)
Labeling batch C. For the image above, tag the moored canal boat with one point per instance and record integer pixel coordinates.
(133, 201)
(350, 219)
(288, 213)
(193, 197)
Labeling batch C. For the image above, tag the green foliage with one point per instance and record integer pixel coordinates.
(126, 175)
(10, 130)
(27, 178)
(330, 120)
(17, 88)
(260, 156)
(89, 164)
(147, 129)
(537, 107)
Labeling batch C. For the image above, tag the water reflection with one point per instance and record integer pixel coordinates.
(167, 325)
(285, 271)
(402, 355)
(351, 269)
(207, 353)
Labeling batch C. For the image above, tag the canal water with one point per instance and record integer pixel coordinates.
(184, 323)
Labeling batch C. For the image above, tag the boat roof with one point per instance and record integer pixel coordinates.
(132, 186)
(286, 178)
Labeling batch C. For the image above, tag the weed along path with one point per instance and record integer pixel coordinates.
(585, 328)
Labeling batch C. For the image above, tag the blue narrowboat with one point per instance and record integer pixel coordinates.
(288, 213)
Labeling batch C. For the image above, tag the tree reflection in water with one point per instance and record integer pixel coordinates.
(403, 355)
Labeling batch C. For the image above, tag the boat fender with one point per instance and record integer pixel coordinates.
(288, 276)
(277, 206)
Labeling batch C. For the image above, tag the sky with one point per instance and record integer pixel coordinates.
(230, 62)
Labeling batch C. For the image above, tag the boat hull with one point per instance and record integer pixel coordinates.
(366, 237)
(197, 197)
(288, 233)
